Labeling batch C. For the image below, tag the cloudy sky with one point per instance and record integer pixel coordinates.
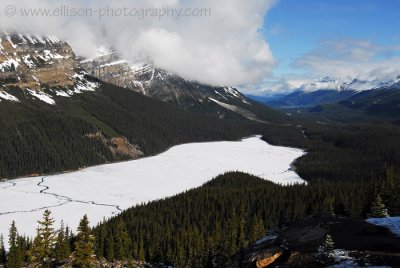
(256, 45)
(347, 39)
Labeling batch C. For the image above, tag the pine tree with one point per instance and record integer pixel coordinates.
(389, 191)
(378, 209)
(141, 253)
(36, 249)
(121, 241)
(326, 249)
(232, 234)
(242, 242)
(3, 255)
(84, 245)
(109, 245)
(44, 242)
(329, 244)
(14, 257)
(257, 229)
(101, 240)
(62, 249)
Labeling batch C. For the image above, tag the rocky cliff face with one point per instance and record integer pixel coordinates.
(33, 62)
(42, 67)
(145, 79)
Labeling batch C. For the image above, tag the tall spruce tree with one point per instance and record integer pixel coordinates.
(44, 242)
(329, 244)
(14, 258)
(257, 229)
(121, 241)
(3, 254)
(62, 248)
(378, 209)
(101, 237)
(84, 245)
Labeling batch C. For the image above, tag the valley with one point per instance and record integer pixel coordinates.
(265, 134)
(104, 191)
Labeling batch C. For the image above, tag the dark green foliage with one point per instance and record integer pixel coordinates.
(378, 209)
(14, 257)
(3, 254)
(62, 246)
(47, 239)
(36, 138)
(369, 105)
(84, 245)
(226, 214)
(340, 152)
(329, 244)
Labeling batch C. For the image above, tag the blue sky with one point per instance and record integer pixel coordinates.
(295, 28)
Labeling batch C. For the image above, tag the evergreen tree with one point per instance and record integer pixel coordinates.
(326, 249)
(390, 191)
(62, 248)
(43, 245)
(84, 245)
(257, 229)
(109, 248)
(36, 249)
(3, 254)
(231, 234)
(378, 209)
(121, 241)
(101, 241)
(329, 244)
(142, 254)
(14, 258)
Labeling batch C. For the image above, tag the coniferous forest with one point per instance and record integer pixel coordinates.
(192, 228)
(44, 139)
(351, 170)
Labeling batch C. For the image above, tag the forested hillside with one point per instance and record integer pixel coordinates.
(336, 151)
(39, 138)
(228, 213)
(196, 228)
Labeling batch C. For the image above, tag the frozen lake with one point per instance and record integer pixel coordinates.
(103, 191)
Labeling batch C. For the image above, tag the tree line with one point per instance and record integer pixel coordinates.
(50, 247)
(36, 138)
(193, 228)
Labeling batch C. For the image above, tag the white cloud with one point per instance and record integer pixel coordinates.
(351, 58)
(224, 47)
(343, 61)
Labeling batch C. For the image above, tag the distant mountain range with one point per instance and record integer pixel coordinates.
(376, 104)
(341, 84)
(382, 101)
(302, 99)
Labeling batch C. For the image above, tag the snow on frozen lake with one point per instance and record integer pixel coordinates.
(103, 191)
(392, 223)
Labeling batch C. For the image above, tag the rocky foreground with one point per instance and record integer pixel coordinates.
(321, 242)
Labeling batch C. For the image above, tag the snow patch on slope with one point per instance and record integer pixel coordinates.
(6, 96)
(42, 96)
(7, 65)
(243, 112)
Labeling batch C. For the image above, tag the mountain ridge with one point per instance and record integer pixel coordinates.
(45, 67)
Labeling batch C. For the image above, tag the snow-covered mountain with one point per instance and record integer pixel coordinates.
(324, 91)
(43, 67)
(330, 83)
(146, 79)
